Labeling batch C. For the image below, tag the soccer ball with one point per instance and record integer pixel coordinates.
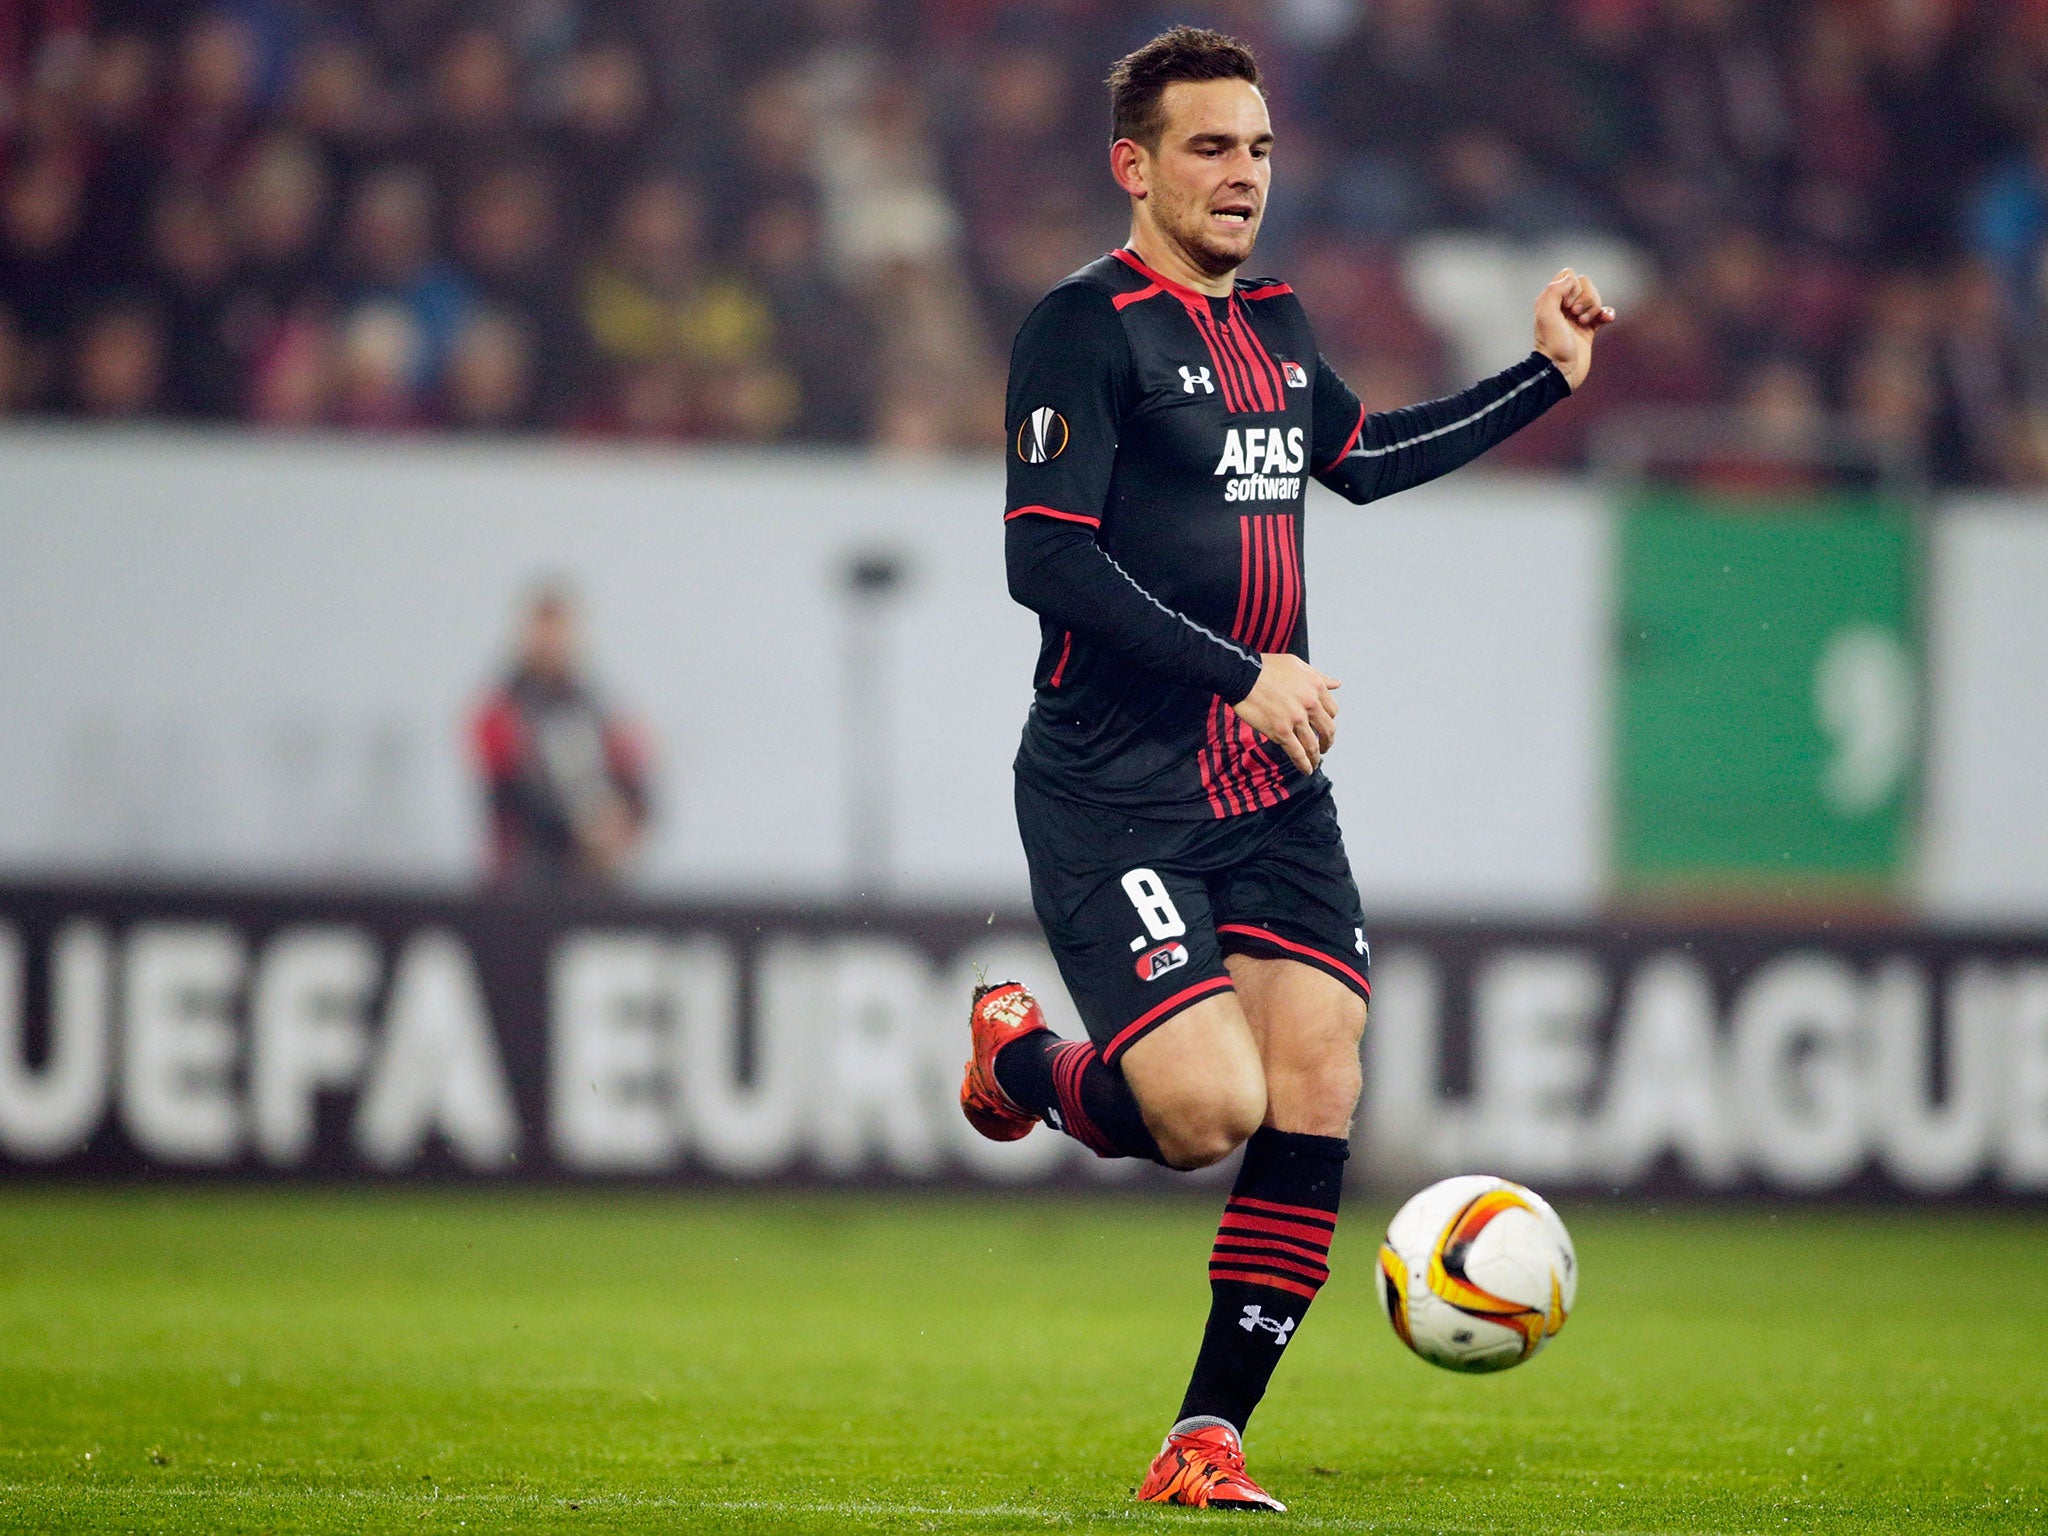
(1477, 1273)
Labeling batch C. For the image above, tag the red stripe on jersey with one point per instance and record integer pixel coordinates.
(1179, 1000)
(1224, 794)
(1262, 395)
(1255, 577)
(1221, 343)
(1228, 784)
(1060, 668)
(1290, 575)
(1290, 580)
(1205, 760)
(1349, 443)
(1181, 291)
(1269, 371)
(1269, 581)
(1276, 582)
(1227, 370)
(1237, 772)
(1253, 773)
(1245, 373)
(1269, 291)
(1331, 962)
(1256, 389)
(1065, 517)
(1254, 770)
(1238, 632)
(1138, 296)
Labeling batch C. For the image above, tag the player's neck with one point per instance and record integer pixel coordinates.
(1170, 261)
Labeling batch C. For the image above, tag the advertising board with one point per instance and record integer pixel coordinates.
(268, 1033)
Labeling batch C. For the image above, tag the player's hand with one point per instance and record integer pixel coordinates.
(1568, 312)
(1293, 704)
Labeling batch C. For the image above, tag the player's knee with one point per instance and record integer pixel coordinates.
(1334, 1095)
(1315, 1084)
(1209, 1132)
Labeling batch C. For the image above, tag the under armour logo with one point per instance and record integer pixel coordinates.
(1192, 379)
(1254, 1319)
(1361, 946)
(1052, 1118)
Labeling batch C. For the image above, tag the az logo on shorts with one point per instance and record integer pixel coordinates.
(1155, 963)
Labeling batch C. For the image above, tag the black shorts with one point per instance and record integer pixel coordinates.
(1140, 913)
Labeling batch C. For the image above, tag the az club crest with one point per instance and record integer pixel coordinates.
(1155, 963)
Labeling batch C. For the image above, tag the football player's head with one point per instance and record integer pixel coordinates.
(1191, 143)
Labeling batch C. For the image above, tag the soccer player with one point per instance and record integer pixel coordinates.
(1164, 419)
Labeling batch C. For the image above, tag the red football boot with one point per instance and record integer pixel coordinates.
(1001, 1013)
(1201, 1465)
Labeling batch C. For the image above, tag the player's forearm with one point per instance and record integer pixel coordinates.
(1059, 572)
(1414, 445)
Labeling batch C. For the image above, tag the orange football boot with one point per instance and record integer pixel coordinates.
(1002, 1012)
(1201, 1465)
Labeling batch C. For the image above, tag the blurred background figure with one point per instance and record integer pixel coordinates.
(564, 777)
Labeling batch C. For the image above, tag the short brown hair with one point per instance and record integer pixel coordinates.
(1139, 80)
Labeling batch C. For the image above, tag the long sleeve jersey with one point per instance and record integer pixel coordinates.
(1160, 447)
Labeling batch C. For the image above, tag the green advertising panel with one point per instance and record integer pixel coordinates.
(1767, 712)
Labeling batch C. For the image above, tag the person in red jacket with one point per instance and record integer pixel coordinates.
(565, 778)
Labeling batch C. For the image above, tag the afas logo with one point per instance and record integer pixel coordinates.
(1267, 462)
(1155, 963)
(1263, 451)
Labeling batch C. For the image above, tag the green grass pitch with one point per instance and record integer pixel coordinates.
(479, 1361)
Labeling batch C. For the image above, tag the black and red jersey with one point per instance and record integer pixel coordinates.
(1160, 445)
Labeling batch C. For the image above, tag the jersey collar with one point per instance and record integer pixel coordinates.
(1181, 291)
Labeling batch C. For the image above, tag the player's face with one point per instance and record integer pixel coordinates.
(1207, 183)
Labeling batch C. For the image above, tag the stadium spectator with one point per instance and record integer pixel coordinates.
(823, 334)
(606, 128)
(293, 381)
(473, 112)
(41, 214)
(214, 106)
(650, 303)
(490, 384)
(820, 219)
(281, 198)
(507, 241)
(113, 117)
(117, 362)
(192, 260)
(338, 99)
(13, 377)
(564, 777)
(391, 261)
(381, 368)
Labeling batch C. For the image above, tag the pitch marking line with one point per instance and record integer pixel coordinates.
(842, 1510)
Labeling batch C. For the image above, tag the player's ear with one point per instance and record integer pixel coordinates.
(1131, 166)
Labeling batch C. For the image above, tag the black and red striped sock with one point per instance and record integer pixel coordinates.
(1068, 1085)
(1271, 1257)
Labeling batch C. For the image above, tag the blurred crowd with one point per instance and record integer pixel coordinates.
(821, 220)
